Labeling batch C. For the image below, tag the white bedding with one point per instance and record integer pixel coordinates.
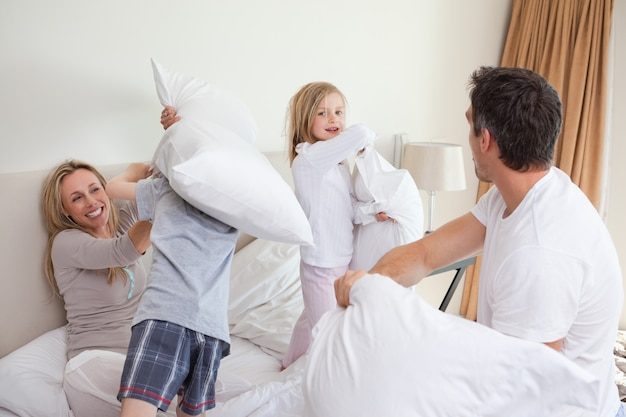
(389, 342)
(31, 385)
(264, 303)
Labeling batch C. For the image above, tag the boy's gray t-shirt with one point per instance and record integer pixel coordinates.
(188, 283)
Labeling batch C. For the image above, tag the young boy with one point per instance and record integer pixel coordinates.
(180, 330)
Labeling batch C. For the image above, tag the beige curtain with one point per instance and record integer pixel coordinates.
(567, 41)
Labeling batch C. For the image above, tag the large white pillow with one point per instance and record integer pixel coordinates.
(211, 162)
(392, 354)
(265, 295)
(31, 377)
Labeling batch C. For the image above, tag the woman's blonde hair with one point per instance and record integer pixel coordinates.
(301, 113)
(56, 221)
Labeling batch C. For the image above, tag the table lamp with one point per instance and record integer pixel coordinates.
(434, 166)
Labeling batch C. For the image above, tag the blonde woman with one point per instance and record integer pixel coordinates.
(92, 264)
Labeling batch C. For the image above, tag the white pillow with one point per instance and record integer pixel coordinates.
(393, 191)
(390, 353)
(31, 377)
(265, 296)
(210, 161)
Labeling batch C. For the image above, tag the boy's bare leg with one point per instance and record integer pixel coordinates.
(132, 407)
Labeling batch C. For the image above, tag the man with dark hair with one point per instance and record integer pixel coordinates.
(550, 272)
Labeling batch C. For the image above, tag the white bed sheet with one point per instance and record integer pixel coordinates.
(247, 365)
(279, 395)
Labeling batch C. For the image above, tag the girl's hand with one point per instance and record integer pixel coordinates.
(382, 217)
(168, 117)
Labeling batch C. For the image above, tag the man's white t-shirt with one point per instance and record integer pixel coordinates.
(550, 271)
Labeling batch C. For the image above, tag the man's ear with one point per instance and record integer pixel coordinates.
(487, 140)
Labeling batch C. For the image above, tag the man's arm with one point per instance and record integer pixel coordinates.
(456, 240)
(556, 345)
(408, 264)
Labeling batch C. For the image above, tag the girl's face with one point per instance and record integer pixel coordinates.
(86, 202)
(329, 118)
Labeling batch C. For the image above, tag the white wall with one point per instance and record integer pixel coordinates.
(76, 76)
(76, 81)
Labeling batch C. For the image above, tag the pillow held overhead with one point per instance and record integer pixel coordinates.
(210, 160)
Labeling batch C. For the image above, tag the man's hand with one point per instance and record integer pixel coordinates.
(343, 285)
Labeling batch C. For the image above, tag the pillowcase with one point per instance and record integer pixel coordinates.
(393, 354)
(379, 186)
(31, 377)
(211, 162)
(265, 296)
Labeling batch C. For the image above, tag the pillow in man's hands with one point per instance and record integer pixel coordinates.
(393, 354)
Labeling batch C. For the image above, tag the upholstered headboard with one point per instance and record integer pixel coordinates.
(27, 307)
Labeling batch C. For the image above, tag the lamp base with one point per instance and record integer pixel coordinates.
(431, 209)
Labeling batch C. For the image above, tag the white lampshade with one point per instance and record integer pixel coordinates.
(435, 166)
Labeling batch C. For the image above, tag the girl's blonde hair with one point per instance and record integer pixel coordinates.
(56, 221)
(301, 113)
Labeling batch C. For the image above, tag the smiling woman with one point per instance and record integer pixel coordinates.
(92, 264)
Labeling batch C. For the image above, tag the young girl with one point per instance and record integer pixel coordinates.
(318, 151)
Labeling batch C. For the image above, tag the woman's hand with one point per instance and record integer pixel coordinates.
(136, 171)
(168, 117)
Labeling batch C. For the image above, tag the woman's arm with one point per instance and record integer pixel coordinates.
(139, 235)
(123, 186)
